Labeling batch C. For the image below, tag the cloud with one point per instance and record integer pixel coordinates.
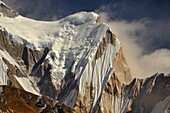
(154, 14)
(141, 65)
(155, 36)
(136, 9)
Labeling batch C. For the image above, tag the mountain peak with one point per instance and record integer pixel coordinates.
(62, 58)
(76, 61)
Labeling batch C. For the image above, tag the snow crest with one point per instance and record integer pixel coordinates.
(73, 43)
(68, 39)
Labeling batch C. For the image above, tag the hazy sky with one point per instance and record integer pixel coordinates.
(141, 25)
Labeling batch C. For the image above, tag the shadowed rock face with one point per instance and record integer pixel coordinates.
(28, 62)
(150, 95)
(154, 95)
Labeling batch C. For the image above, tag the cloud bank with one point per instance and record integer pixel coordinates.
(141, 65)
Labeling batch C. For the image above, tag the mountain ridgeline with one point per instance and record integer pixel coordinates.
(75, 64)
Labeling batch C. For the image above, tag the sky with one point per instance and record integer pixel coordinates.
(142, 26)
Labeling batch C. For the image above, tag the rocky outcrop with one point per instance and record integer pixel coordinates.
(19, 101)
(150, 95)
(109, 39)
(30, 64)
(153, 95)
(7, 11)
(122, 70)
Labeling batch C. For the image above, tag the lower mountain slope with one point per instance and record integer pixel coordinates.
(15, 100)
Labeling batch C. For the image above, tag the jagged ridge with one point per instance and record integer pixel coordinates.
(18, 101)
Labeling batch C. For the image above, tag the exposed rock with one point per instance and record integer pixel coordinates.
(109, 39)
(6, 11)
(152, 92)
(140, 96)
(29, 61)
(19, 101)
(122, 70)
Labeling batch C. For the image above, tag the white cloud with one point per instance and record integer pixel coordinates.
(141, 65)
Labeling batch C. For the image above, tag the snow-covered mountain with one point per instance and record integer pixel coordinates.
(76, 61)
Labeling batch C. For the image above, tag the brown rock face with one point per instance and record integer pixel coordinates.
(29, 62)
(19, 101)
(109, 39)
(122, 70)
(6, 11)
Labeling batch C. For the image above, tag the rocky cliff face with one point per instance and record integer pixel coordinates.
(18, 101)
(150, 95)
(77, 61)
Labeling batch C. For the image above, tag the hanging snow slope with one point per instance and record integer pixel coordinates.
(68, 39)
(65, 38)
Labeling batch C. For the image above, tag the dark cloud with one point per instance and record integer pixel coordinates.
(136, 9)
(155, 36)
(40, 9)
(118, 9)
(53, 9)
